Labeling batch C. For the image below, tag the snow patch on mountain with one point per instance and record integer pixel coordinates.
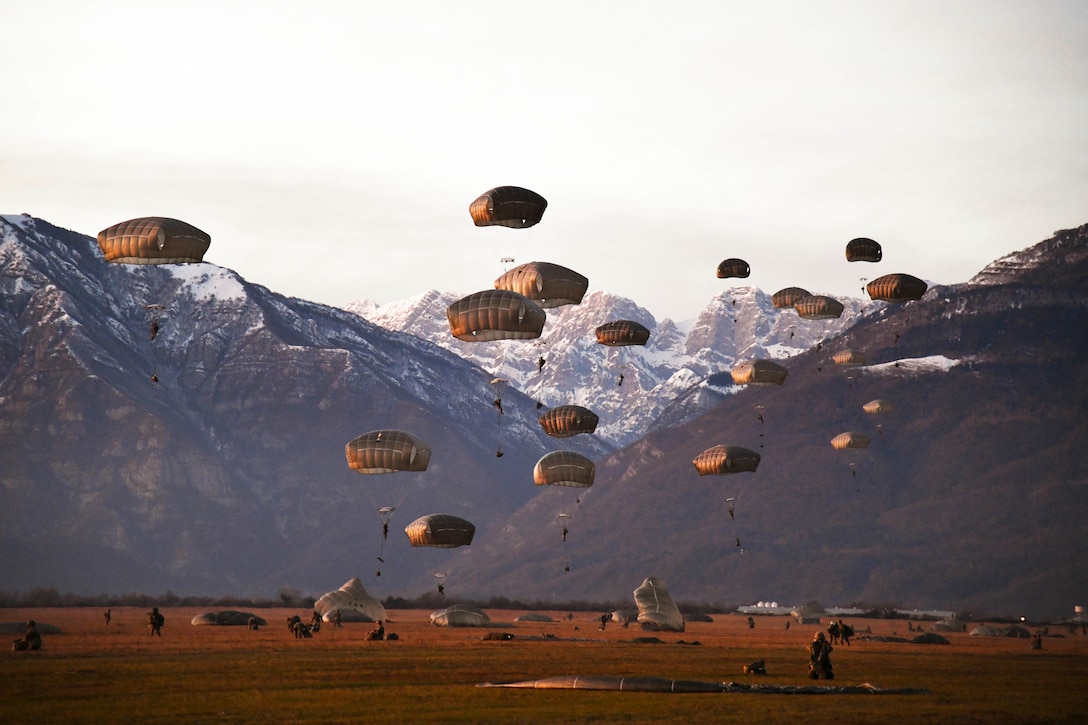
(207, 281)
(913, 366)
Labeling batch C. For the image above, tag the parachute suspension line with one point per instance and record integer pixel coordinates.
(154, 313)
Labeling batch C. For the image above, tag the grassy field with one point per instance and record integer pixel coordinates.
(92, 672)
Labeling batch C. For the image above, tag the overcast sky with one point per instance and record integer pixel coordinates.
(331, 149)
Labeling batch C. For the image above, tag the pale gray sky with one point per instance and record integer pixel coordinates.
(331, 149)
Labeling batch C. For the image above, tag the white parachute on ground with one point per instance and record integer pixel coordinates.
(227, 618)
(460, 615)
(656, 609)
(353, 602)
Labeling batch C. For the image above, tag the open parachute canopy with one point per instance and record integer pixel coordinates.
(508, 206)
(818, 307)
(758, 372)
(849, 357)
(785, 298)
(733, 267)
(878, 407)
(564, 468)
(618, 333)
(863, 249)
(442, 531)
(495, 315)
(721, 459)
(153, 240)
(849, 440)
(547, 284)
(387, 451)
(656, 608)
(569, 420)
(896, 288)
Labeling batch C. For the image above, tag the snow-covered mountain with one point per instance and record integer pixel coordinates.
(690, 359)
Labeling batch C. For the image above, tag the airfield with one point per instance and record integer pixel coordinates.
(94, 672)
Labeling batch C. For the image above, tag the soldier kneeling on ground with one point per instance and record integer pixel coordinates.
(378, 633)
(30, 640)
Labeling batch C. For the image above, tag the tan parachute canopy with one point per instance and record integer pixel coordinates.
(656, 609)
(352, 601)
(495, 315)
(442, 531)
(569, 420)
(153, 240)
(733, 267)
(564, 468)
(618, 333)
(549, 285)
(508, 206)
(896, 288)
(787, 297)
(387, 451)
(863, 249)
(848, 440)
(759, 372)
(818, 307)
(878, 407)
(722, 459)
(849, 357)
(460, 615)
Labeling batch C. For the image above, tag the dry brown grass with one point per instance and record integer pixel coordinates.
(117, 673)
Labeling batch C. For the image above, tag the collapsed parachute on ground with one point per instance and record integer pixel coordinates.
(547, 284)
(863, 249)
(896, 288)
(352, 601)
(849, 440)
(618, 333)
(227, 618)
(495, 315)
(569, 420)
(508, 206)
(878, 407)
(564, 468)
(656, 609)
(849, 357)
(442, 531)
(733, 268)
(460, 615)
(722, 459)
(153, 240)
(818, 307)
(787, 297)
(387, 451)
(758, 372)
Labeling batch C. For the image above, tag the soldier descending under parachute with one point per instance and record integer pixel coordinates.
(153, 240)
(622, 333)
(387, 451)
(722, 460)
(569, 470)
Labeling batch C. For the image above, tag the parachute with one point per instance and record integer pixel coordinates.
(508, 206)
(818, 307)
(569, 420)
(153, 240)
(850, 440)
(460, 615)
(849, 357)
(387, 451)
(896, 288)
(618, 333)
(758, 372)
(352, 601)
(863, 249)
(733, 268)
(721, 459)
(547, 284)
(787, 297)
(878, 407)
(442, 531)
(656, 608)
(495, 315)
(564, 468)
